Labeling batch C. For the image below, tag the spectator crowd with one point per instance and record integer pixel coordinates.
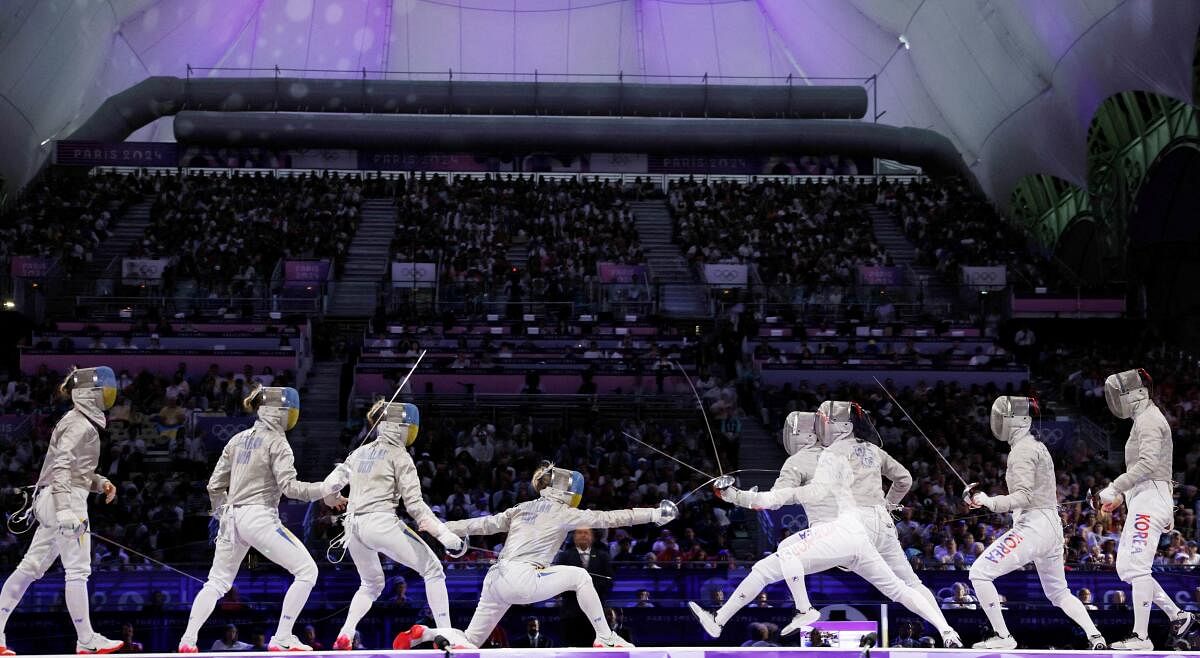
(952, 225)
(66, 216)
(517, 239)
(814, 234)
(227, 233)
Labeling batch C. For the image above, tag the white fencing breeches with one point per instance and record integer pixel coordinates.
(373, 533)
(1037, 537)
(257, 527)
(1150, 513)
(521, 583)
(47, 546)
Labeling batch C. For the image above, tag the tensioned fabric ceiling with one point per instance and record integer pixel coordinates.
(1013, 83)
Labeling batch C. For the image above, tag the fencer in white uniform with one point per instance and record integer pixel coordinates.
(536, 530)
(68, 475)
(1146, 487)
(381, 473)
(255, 470)
(835, 538)
(1037, 532)
(804, 452)
(871, 463)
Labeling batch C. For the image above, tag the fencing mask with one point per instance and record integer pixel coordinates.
(1010, 413)
(567, 483)
(277, 404)
(799, 431)
(96, 386)
(835, 421)
(1125, 390)
(399, 421)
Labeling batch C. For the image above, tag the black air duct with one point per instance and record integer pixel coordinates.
(520, 135)
(155, 97)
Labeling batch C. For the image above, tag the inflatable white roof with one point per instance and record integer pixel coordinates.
(1013, 83)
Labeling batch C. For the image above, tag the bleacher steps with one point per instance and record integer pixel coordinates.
(316, 439)
(890, 235)
(681, 295)
(355, 293)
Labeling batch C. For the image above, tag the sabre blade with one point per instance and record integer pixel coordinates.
(711, 437)
(677, 461)
(144, 556)
(921, 431)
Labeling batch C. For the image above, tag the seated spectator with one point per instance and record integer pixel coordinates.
(760, 636)
(1118, 601)
(170, 419)
(643, 599)
(533, 638)
(229, 641)
(131, 645)
(309, 637)
(1085, 597)
(960, 598)
(761, 601)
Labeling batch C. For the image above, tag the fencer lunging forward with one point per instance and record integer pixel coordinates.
(1037, 533)
(256, 468)
(837, 538)
(871, 463)
(1147, 488)
(804, 451)
(536, 530)
(380, 473)
(60, 506)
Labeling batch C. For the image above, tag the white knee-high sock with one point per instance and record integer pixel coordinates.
(439, 600)
(913, 600)
(1074, 609)
(799, 591)
(746, 590)
(1164, 602)
(989, 600)
(202, 608)
(293, 604)
(78, 606)
(1143, 597)
(589, 603)
(927, 595)
(360, 604)
(10, 595)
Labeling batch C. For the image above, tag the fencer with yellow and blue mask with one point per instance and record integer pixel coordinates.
(93, 391)
(395, 422)
(255, 470)
(558, 483)
(68, 474)
(277, 406)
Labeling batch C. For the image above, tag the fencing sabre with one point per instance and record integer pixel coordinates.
(703, 414)
(932, 445)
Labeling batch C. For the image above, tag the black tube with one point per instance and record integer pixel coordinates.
(154, 97)
(925, 148)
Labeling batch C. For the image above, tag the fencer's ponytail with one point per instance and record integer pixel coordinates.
(541, 476)
(376, 410)
(68, 383)
(254, 398)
